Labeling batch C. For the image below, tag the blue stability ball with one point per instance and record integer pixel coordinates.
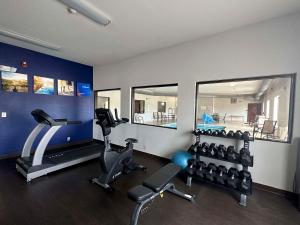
(181, 158)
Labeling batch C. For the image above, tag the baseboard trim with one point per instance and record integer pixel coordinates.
(288, 194)
(163, 159)
(257, 186)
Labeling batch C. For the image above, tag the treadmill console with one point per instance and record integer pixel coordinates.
(41, 117)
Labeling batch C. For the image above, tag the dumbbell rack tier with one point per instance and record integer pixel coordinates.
(228, 160)
(226, 137)
(243, 195)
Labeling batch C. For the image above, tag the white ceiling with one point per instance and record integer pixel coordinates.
(231, 88)
(138, 26)
(158, 91)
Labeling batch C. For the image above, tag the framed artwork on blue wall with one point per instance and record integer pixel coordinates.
(65, 87)
(43, 85)
(83, 89)
(14, 82)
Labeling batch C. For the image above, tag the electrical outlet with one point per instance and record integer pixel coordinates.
(68, 139)
(3, 114)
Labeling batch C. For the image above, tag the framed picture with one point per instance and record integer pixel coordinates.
(14, 82)
(65, 87)
(43, 85)
(83, 89)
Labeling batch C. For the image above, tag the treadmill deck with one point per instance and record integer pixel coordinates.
(59, 160)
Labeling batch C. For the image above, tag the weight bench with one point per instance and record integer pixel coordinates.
(154, 186)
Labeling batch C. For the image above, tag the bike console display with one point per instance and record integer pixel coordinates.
(107, 121)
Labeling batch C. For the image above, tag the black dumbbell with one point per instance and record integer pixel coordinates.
(208, 132)
(221, 153)
(230, 134)
(201, 169)
(246, 136)
(215, 133)
(190, 169)
(212, 150)
(201, 132)
(221, 176)
(193, 149)
(203, 149)
(245, 157)
(238, 134)
(232, 155)
(196, 132)
(233, 178)
(211, 172)
(222, 133)
(245, 184)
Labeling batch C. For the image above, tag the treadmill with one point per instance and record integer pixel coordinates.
(41, 163)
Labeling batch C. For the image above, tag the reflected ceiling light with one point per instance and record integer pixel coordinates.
(232, 84)
(72, 11)
(87, 9)
(28, 39)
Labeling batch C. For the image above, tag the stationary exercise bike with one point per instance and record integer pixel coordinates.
(115, 160)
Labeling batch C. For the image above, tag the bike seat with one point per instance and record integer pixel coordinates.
(131, 140)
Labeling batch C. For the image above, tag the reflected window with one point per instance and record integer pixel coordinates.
(155, 105)
(263, 106)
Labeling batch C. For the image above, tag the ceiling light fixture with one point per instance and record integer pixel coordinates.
(28, 39)
(87, 9)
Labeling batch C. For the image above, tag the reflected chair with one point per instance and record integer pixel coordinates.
(162, 116)
(216, 117)
(224, 118)
(155, 116)
(171, 114)
(268, 128)
(138, 118)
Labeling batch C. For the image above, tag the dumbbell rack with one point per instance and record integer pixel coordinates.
(243, 195)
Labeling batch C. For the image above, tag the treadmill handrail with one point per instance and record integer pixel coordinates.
(43, 120)
(29, 141)
(41, 148)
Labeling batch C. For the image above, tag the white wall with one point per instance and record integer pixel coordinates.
(281, 88)
(223, 105)
(205, 105)
(267, 48)
(240, 108)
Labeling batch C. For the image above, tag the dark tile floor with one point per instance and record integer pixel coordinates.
(67, 197)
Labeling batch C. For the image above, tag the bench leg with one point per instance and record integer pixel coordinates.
(174, 191)
(137, 210)
(135, 214)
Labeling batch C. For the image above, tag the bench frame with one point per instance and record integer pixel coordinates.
(170, 187)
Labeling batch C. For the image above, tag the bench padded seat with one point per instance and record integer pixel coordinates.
(140, 193)
(158, 180)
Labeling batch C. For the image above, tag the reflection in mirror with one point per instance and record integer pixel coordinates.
(261, 106)
(155, 105)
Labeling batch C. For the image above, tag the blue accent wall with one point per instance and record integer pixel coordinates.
(17, 126)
